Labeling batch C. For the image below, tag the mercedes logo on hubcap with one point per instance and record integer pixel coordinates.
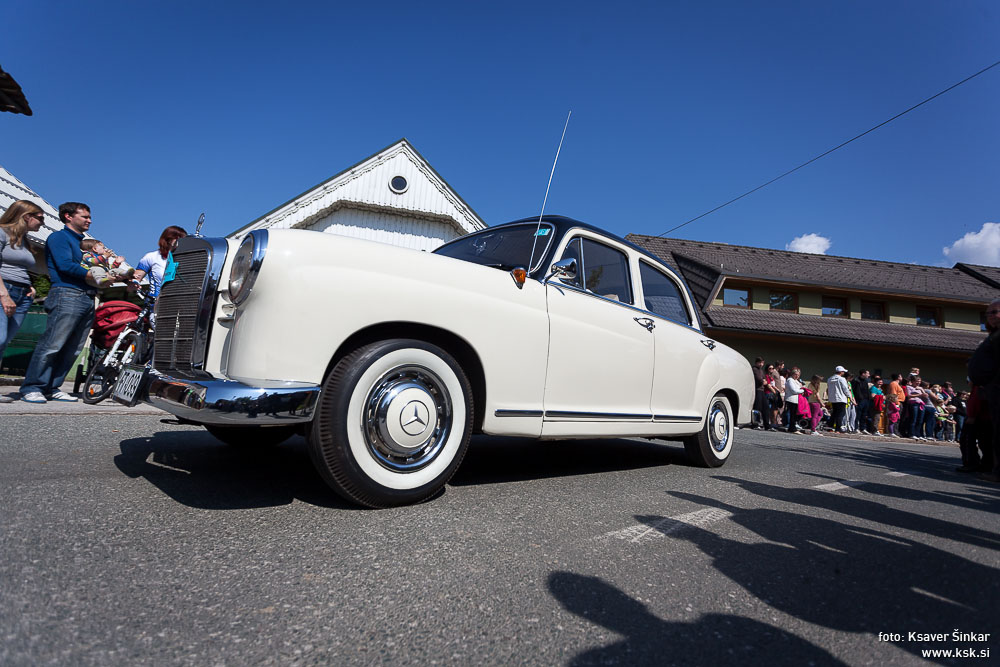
(414, 418)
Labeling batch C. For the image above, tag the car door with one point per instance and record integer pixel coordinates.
(684, 370)
(600, 361)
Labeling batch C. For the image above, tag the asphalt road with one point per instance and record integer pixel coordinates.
(129, 541)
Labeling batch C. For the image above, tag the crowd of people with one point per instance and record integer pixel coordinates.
(900, 406)
(896, 407)
(78, 268)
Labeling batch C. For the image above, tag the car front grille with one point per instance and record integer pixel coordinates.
(184, 308)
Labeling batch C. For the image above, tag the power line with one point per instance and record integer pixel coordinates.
(790, 171)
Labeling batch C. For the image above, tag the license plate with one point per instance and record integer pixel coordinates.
(130, 382)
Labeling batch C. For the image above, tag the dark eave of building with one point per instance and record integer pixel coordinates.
(12, 98)
(832, 272)
(781, 323)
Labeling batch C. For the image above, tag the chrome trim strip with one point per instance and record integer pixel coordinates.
(229, 402)
(675, 418)
(518, 413)
(567, 414)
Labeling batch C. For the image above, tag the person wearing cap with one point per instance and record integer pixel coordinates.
(839, 394)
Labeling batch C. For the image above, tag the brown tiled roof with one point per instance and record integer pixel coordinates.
(988, 274)
(822, 270)
(11, 96)
(840, 328)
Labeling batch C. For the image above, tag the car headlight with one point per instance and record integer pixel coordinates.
(246, 265)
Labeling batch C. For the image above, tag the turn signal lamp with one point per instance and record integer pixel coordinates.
(519, 274)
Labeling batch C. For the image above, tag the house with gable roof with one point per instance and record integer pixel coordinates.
(13, 189)
(393, 196)
(820, 311)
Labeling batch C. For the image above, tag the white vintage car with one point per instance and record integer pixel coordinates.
(389, 359)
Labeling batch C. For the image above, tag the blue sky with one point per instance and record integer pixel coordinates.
(153, 112)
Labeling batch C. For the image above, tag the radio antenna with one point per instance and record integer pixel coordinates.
(534, 242)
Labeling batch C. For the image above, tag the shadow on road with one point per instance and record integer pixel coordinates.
(492, 459)
(714, 639)
(195, 469)
(850, 578)
(875, 512)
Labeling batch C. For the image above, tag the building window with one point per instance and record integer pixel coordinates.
(872, 310)
(784, 301)
(928, 317)
(736, 297)
(398, 184)
(835, 306)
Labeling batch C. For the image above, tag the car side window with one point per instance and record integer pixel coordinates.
(662, 295)
(601, 269)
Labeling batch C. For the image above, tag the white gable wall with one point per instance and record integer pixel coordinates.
(385, 227)
(359, 203)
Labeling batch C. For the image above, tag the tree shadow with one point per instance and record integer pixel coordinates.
(196, 470)
(714, 639)
(870, 511)
(848, 578)
(493, 459)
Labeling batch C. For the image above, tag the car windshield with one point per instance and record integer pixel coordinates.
(504, 248)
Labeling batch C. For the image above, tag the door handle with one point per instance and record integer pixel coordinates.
(710, 344)
(645, 322)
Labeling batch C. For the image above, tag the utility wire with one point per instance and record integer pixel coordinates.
(790, 171)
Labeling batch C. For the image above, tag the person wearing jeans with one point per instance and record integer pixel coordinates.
(16, 292)
(70, 308)
(839, 393)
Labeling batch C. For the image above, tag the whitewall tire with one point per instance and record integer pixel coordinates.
(710, 447)
(393, 423)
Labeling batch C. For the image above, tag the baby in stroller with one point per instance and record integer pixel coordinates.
(103, 265)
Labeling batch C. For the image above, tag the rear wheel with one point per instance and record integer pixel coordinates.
(101, 377)
(393, 423)
(252, 436)
(710, 447)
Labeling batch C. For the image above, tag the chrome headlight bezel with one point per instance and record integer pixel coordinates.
(246, 265)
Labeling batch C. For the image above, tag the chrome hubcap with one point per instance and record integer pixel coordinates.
(407, 418)
(718, 427)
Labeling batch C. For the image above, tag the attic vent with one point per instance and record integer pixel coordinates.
(398, 184)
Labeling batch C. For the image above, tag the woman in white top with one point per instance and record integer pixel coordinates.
(792, 390)
(154, 263)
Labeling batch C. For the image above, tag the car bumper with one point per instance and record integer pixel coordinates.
(228, 402)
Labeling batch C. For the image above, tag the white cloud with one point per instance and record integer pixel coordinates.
(811, 243)
(982, 247)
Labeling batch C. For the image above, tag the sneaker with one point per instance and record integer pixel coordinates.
(989, 477)
(6, 399)
(864, 432)
(967, 469)
(62, 396)
(33, 397)
(894, 435)
(815, 433)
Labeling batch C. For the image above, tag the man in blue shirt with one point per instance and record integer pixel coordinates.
(70, 305)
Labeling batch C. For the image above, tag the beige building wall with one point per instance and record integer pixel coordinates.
(961, 318)
(810, 303)
(821, 357)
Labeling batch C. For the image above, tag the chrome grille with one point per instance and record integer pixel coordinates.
(184, 307)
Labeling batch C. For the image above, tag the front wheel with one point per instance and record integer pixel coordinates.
(710, 447)
(393, 423)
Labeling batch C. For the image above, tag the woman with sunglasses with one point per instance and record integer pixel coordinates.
(16, 292)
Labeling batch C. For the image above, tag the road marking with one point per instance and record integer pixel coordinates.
(898, 473)
(837, 486)
(644, 532)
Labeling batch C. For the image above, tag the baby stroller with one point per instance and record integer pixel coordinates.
(118, 338)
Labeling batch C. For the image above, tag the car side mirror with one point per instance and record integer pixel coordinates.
(564, 269)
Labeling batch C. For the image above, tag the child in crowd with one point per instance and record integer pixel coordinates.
(103, 265)
(892, 414)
